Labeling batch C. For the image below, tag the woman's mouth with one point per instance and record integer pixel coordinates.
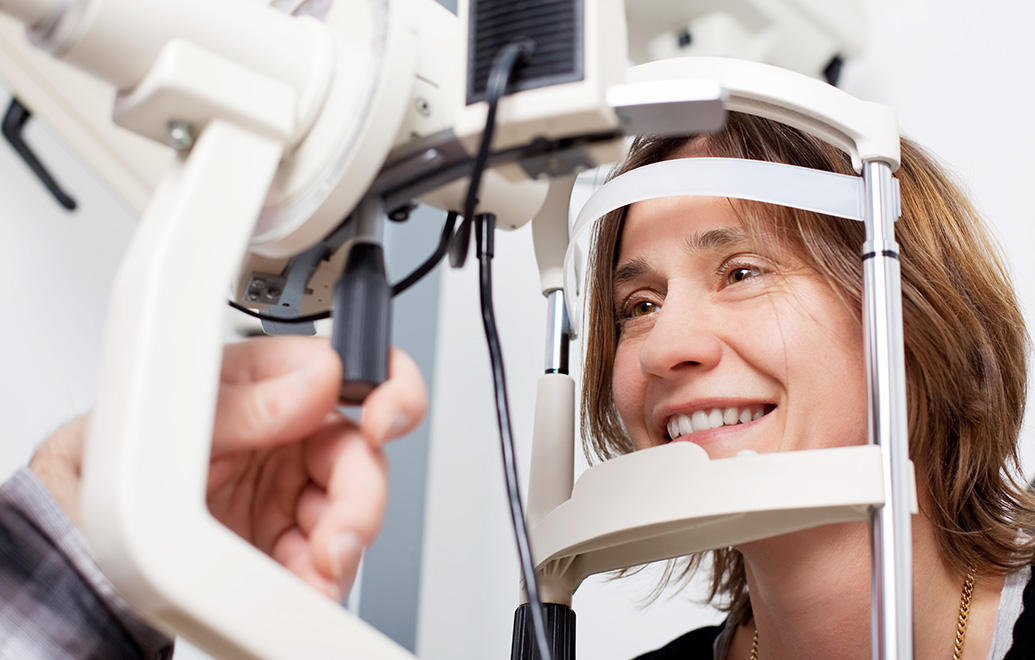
(685, 424)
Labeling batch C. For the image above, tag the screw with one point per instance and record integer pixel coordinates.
(423, 106)
(181, 135)
(273, 294)
(402, 213)
(252, 297)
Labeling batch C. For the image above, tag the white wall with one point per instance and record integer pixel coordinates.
(957, 72)
(56, 268)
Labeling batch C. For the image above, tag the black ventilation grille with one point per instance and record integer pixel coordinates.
(556, 27)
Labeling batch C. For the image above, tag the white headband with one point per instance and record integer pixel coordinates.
(803, 188)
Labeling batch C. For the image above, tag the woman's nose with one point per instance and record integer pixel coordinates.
(682, 338)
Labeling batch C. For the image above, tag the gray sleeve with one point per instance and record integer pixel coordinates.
(1011, 604)
(55, 604)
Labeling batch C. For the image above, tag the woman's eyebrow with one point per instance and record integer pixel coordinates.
(713, 239)
(629, 271)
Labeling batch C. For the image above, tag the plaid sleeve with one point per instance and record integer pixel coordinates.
(54, 602)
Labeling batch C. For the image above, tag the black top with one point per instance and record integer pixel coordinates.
(697, 644)
(1024, 630)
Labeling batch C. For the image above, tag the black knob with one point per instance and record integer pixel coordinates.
(362, 315)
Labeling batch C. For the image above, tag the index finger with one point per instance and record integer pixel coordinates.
(396, 406)
(274, 390)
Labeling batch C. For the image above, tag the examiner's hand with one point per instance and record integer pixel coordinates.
(288, 473)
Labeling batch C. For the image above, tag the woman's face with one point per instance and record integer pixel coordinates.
(729, 343)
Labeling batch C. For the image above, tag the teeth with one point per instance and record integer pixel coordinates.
(703, 420)
(715, 418)
(730, 416)
(700, 420)
(684, 425)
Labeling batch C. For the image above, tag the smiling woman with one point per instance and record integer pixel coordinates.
(736, 325)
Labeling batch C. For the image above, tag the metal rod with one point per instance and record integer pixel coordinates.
(558, 333)
(13, 127)
(892, 576)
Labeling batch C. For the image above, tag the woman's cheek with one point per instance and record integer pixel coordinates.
(628, 386)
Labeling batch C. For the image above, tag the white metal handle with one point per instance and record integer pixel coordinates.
(867, 131)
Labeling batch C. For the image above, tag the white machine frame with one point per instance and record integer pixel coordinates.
(704, 504)
(189, 575)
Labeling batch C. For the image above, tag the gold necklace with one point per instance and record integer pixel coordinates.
(961, 624)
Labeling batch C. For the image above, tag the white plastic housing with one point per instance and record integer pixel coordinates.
(31, 12)
(77, 107)
(800, 35)
(559, 110)
(867, 131)
(550, 233)
(119, 41)
(322, 179)
(553, 455)
(672, 500)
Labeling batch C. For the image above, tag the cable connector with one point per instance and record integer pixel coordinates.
(485, 233)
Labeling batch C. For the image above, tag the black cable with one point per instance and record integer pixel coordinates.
(417, 275)
(514, 53)
(503, 64)
(432, 261)
(484, 229)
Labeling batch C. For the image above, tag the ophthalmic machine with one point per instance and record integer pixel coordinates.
(299, 127)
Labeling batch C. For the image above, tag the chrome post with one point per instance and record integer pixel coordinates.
(892, 575)
(558, 333)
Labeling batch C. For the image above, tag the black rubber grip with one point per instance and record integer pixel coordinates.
(362, 322)
(560, 633)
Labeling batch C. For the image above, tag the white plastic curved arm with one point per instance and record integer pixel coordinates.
(672, 500)
(867, 131)
(149, 442)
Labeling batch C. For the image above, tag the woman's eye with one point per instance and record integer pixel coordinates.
(641, 308)
(741, 273)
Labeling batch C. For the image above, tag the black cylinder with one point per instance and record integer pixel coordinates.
(362, 315)
(560, 633)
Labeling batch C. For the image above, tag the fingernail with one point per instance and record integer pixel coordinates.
(346, 551)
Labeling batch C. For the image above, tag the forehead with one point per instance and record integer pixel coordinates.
(696, 223)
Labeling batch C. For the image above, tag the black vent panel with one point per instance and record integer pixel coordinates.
(556, 27)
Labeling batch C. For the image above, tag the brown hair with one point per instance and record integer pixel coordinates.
(965, 342)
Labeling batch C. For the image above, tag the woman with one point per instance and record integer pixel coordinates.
(737, 325)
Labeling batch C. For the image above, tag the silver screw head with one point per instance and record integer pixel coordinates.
(423, 106)
(180, 135)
